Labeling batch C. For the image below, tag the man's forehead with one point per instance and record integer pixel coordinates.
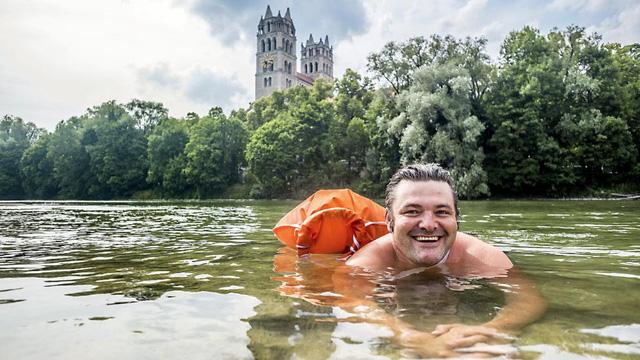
(420, 192)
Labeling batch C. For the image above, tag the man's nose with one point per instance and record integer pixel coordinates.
(427, 221)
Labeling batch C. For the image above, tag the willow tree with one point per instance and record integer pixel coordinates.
(436, 125)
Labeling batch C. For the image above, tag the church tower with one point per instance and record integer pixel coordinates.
(276, 62)
(317, 59)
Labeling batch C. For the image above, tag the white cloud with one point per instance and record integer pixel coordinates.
(623, 27)
(589, 6)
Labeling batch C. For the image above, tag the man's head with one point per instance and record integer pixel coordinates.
(422, 213)
(420, 172)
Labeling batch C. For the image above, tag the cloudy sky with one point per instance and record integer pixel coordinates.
(59, 57)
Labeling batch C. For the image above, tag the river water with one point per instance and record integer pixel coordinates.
(208, 280)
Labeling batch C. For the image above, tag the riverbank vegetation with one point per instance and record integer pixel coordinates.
(556, 115)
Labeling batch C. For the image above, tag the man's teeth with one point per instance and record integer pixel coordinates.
(426, 238)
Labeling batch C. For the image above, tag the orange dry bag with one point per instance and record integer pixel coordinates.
(331, 222)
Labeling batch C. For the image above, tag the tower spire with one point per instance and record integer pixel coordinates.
(268, 14)
(287, 15)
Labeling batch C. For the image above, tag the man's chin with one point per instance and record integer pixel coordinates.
(430, 258)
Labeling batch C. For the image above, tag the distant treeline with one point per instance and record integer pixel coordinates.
(558, 114)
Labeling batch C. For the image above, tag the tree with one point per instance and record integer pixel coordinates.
(397, 62)
(37, 170)
(167, 159)
(71, 169)
(349, 138)
(147, 114)
(215, 153)
(305, 122)
(15, 138)
(525, 107)
(545, 89)
(602, 146)
(274, 156)
(117, 151)
(435, 125)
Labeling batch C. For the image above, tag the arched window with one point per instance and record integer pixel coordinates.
(289, 68)
(268, 44)
(268, 26)
(263, 45)
(274, 44)
(316, 66)
(310, 67)
(270, 66)
(305, 69)
(265, 82)
(269, 81)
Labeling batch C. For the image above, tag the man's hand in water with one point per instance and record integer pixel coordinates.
(455, 340)
(468, 335)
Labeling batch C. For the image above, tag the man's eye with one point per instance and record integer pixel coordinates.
(411, 212)
(443, 212)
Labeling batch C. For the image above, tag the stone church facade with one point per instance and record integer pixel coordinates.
(276, 60)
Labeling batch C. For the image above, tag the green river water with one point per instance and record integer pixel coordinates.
(197, 280)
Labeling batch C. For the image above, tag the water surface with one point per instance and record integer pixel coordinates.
(203, 279)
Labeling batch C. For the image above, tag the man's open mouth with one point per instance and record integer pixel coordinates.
(425, 238)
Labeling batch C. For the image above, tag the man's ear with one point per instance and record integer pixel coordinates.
(389, 219)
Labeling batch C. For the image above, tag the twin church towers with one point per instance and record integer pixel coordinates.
(276, 60)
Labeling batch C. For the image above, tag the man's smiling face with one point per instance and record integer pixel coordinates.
(423, 221)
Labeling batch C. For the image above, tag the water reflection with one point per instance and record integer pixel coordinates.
(53, 325)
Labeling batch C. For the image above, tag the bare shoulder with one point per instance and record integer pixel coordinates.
(378, 255)
(471, 246)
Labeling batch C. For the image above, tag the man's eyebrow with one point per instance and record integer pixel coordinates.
(410, 205)
(444, 206)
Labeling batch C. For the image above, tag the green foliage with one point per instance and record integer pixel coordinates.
(71, 170)
(167, 159)
(603, 148)
(543, 85)
(288, 155)
(117, 151)
(214, 153)
(147, 114)
(274, 156)
(15, 137)
(37, 170)
(436, 125)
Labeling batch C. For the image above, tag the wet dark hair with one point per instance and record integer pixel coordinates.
(420, 172)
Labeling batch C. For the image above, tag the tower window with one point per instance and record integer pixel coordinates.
(316, 67)
(263, 46)
(269, 81)
(274, 44)
(269, 44)
(268, 26)
(305, 69)
(265, 82)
